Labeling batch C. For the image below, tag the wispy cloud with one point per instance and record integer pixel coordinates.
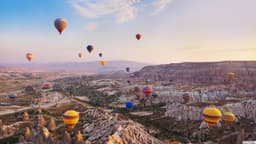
(160, 5)
(91, 26)
(123, 10)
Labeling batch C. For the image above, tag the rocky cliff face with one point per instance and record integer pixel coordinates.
(201, 73)
(96, 126)
(103, 127)
(245, 109)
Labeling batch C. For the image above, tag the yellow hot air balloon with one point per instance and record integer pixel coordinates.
(70, 118)
(211, 115)
(228, 117)
(230, 75)
(103, 62)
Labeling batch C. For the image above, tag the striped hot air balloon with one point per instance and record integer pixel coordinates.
(211, 115)
(228, 117)
(71, 118)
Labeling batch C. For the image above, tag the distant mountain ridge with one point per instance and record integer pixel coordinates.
(90, 67)
(201, 72)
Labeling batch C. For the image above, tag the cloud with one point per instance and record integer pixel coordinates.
(123, 10)
(91, 26)
(160, 5)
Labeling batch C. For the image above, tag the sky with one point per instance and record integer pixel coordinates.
(172, 30)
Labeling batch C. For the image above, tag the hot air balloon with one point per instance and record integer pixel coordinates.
(80, 55)
(230, 76)
(127, 69)
(89, 48)
(186, 97)
(147, 91)
(103, 62)
(154, 95)
(29, 56)
(211, 115)
(12, 96)
(138, 36)
(128, 81)
(71, 118)
(46, 85)
(60, 24)
(228, 117)
(129, 105)
(100, 54)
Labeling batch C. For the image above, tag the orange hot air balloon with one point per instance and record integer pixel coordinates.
(103, 62)
(29, 56)
(71, 118)
(138, 36)
(230, 75)
(60, 24)
(80, 55)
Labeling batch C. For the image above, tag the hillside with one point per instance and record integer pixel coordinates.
(200, 72)
(89, 67)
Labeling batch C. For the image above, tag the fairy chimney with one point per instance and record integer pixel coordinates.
(41, 121)
(52, 124)
(27, 134)
(1, 124)
(79, 138)
(67, 138)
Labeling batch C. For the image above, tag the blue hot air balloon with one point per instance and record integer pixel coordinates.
(154, 95)
(129, 105)
(89, 48)
(12, 97)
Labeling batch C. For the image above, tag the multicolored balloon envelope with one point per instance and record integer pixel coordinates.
(211, 115)
(71, 118)
(60, 24)
(29, 56)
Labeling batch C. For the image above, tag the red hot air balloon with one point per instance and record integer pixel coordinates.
(46, 85)
(147, 91)
(29, 56)
(138, 36)
(80, 55)
(60, 24)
